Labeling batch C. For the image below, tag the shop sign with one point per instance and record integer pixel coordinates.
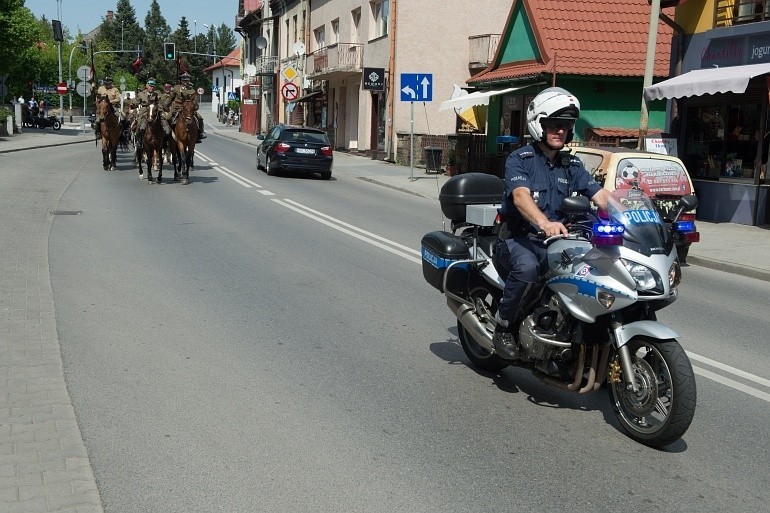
(374, 79)
(723, 52)
(664, 146)
(759, 49)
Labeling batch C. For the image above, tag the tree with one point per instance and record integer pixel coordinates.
(157, 32)
(121, 33)
(195, 64)
(18, 33)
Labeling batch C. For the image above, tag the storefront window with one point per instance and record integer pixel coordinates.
(722, 140)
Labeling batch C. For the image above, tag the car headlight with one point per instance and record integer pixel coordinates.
(646, 279)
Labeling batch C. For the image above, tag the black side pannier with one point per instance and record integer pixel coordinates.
(439, 250)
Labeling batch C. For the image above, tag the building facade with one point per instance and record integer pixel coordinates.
(338, 64)
(718, 97)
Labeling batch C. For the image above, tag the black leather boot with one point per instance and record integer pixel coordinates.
(504, 341)
(505, 344)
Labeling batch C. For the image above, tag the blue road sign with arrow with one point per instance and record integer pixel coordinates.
(416, 87)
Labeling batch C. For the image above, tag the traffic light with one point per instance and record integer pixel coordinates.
(170, 51)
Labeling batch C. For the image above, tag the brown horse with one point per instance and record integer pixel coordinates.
(110, 133)
(152, 144)
(186, 135)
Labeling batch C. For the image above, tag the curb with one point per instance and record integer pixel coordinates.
(11, 150)
(718, 265)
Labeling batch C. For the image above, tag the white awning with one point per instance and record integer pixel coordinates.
(733, 79)
(473, 99)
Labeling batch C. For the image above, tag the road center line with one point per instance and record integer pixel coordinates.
(731, 383)
(350, 226)
(231, 177)
(727, 368)
(340, 227)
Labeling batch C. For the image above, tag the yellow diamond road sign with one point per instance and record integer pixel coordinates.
(289, 73)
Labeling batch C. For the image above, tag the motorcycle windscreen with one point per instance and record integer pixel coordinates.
(645, 230)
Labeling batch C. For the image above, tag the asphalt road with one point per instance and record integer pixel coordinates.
(254, 343)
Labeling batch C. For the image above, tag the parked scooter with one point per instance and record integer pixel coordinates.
(591, 320)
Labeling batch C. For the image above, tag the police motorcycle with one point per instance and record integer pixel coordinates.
(591, 319)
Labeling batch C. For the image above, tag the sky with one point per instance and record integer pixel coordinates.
(86, 15)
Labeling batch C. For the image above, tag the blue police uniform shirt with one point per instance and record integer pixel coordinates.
(548, 183)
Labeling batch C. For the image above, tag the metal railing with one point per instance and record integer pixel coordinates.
(735, 12)
(336, 57)
(266, 64)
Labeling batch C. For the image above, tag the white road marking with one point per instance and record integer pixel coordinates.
(370, 238)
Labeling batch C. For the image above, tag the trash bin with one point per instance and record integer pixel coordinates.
(432, 159)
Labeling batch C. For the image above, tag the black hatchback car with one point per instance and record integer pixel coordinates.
(295, 148)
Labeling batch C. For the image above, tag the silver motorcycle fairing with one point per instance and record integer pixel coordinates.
(652, 329)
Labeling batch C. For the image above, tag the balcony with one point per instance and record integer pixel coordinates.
(266, 65)
(335, 61)
(737, 12)
(482, 50)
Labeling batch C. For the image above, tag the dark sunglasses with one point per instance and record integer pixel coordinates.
(554, 125)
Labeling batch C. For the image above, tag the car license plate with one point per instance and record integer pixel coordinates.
(305, 151)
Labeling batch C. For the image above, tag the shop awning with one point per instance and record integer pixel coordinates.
(474, 99)
(733, 79)
(307, 97)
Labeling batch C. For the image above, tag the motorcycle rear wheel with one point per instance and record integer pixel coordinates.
(478, 355)
(663, 408)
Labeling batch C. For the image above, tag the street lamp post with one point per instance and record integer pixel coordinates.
(220, 110)
(195, 37)
(69, 81)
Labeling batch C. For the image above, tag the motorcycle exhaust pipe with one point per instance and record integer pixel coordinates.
(465, 314)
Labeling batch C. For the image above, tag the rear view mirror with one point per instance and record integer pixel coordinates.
(688, 202)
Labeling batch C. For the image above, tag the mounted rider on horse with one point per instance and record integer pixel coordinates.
(181, 92)
(145, 98)
(113, 96)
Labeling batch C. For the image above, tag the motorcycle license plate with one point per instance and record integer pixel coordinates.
(305, 151)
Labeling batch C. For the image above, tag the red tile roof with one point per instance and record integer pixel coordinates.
(230, 60)
(587, 37)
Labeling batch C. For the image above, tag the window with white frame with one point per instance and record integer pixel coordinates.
(319, 35)
(379, 18)
(355, 25)
(336, 31)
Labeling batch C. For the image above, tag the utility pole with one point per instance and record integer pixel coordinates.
(649, 65)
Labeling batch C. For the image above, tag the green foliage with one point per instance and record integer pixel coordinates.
(4, 113)
(234, 105)
(28, 52)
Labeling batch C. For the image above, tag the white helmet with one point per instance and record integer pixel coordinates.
(554, 103)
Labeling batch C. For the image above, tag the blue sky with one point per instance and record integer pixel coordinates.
(86, 15)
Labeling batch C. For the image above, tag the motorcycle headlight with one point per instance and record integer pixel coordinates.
(646, 279)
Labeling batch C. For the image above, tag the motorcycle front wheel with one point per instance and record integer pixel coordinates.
(56, 124)
(663, 407)
(486, 302)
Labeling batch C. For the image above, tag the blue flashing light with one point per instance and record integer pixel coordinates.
(684, 226)
(609, 234)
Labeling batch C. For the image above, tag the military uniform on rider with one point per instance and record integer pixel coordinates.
(538, 177)
(145, 98)
(177, 95)
(113, 96)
